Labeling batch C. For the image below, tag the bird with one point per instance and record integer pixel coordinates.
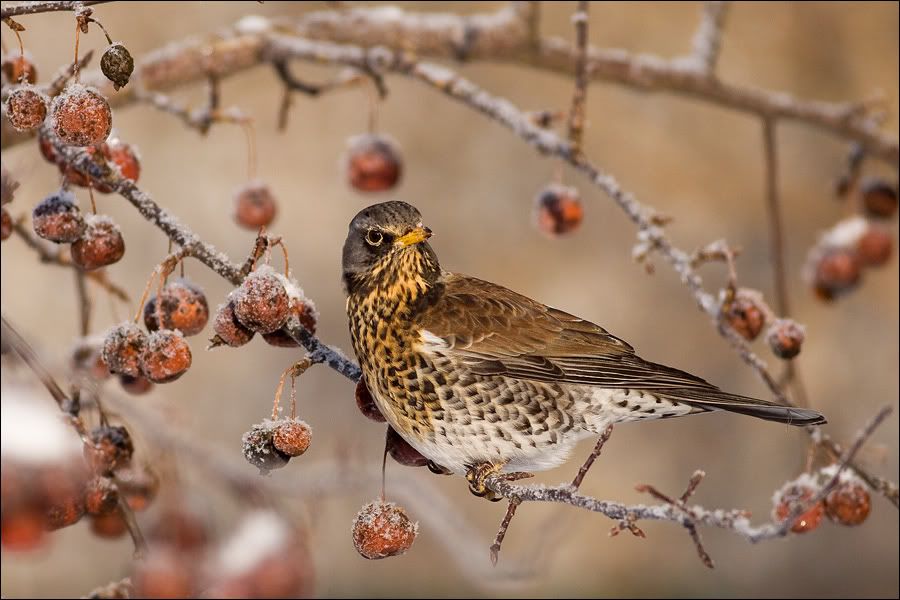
(484, 381)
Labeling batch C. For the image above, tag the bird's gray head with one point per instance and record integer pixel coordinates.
(387, 240)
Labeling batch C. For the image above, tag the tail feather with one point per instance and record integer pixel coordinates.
(714, 399)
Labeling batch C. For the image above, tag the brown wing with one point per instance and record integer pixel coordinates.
(495, 331)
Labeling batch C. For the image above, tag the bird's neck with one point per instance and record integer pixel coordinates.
(401, 285)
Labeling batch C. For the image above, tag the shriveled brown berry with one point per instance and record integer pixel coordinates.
(166, 357)
(373, 162)
(122, 349)
(848, 504)
(558, 210)
(254, 205)
(879, 198)
(58, 219)
(383, 529)
(101, 244)
(366, 404)
(164, 573)
(183, 306)
(64, 512)
(138, 485)
(837, 271)
(22, 531)
(262, 304)
(228, 329)
(793, 495)
(136, 386)
(117, 64)
(26, 108)
(291, 436)
(100, 496)
(306, 314)
(19, 68)
(875, 246)
(81, 116)
(785, 338)
(6, 224)
(260, 451)
(110, 525)
(110, 448)
(401, 451)
(745, 314)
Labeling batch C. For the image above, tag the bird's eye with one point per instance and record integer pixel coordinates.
(374, 238)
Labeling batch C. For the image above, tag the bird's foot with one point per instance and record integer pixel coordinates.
(478, 474)
(438, 469)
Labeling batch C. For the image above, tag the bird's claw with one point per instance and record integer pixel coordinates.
(478, 474)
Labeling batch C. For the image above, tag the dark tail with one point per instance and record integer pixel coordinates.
(714, 399)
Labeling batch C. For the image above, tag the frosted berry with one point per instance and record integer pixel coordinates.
(136, 386)
(836, 272)
(122, 349)
(795, 494)
(260, 451)
(291, 437)
(117, 64)
(401, 451)
(109, 448)
(64, 512)
(101, 496)
(373, 163)
(305, 313)
(745, 314)
(26, 108)
(81, 116)
(123, 156)
(848, 504)
(366, 404)
(254, 205)
(6, 224)
(58, 219)
(101, 244)
(558, 210)
(110, 525)
(383, 529)
(228, 329)
(262, 304)
(875, 246)
(785, 338)
(19, 68)
(166, 357)
(183, 307)
(879, 198)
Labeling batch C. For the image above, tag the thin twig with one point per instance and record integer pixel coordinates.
(598, 447)
(31, 8)
(579, 96)
(84, 303)
(708, 37)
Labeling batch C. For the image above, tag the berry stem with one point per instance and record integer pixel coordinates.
(100, 25)
(140, 309)
(77, 40)
(372, 98)
(250, 134)
(279, 241)
(293, 397)
(93, 201)
(278, 391)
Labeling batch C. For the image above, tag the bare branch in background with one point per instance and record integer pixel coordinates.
(707, 40)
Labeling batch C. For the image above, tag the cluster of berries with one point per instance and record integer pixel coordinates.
(848, 504)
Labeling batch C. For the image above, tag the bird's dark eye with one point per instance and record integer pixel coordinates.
(374, 238)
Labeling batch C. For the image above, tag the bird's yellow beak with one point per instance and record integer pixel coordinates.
(419, 234)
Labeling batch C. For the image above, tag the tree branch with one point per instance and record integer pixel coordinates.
(32, 8)
(707, 40)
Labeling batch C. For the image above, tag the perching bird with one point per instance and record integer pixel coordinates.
(480, 379)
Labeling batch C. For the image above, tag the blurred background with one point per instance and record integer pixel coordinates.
(474, 182)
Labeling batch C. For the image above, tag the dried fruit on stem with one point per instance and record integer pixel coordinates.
(382, 529)
(558, 210)
(166, 357)
(101, 244)
(373, 163)
(57, 218)
(26, 108)
(81, 116)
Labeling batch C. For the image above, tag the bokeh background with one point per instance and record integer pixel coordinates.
(474, 182)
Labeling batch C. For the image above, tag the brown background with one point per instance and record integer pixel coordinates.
(474, 182)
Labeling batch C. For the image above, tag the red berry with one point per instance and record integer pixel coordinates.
(401, 451)
(254, 205)
(848, 504)
(260, 451)
(138, 485)
(101, 496)
(875, 246)
(110, 525)
(785, 337)
(101, 245)
(745, 313)
(136, 386)
(262, 304)
(558, 210)
(19, 68)
(228, 329)
(26, 108)
(117, 64)
(110, 447)
(383, 529)
(123, 156)
(164, 573)
(291, 437)
(81, 116)
(166, 357)
(87, 358)
(22, 531)
(373, 163)
(122, 349)
(58, 219)
(795, 494)
(305, 313)
(183, 307)
(6, 224)
(64, 512)
(181, 526)
(366, 404)
(836, 272)
(879, 198)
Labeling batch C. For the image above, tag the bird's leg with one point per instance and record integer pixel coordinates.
(476, 476)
